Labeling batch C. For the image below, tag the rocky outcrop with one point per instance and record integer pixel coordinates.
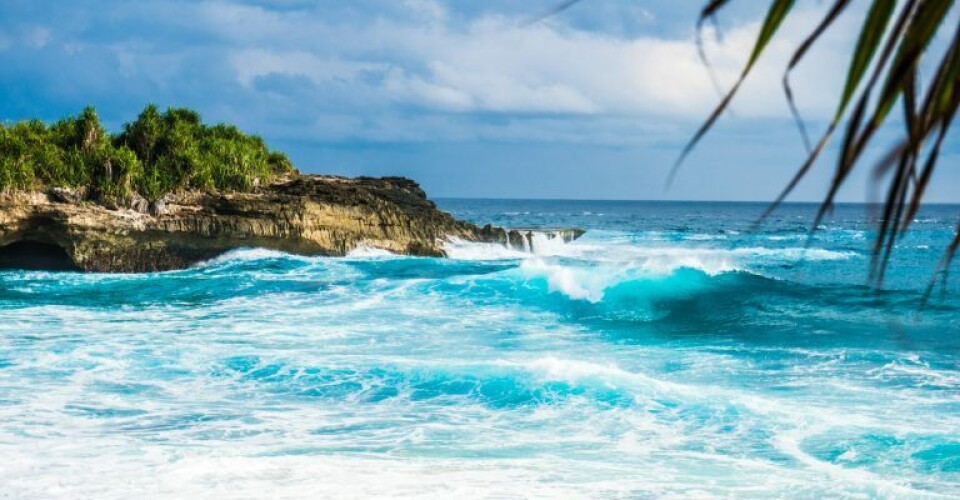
(526, 239)
(306, 215)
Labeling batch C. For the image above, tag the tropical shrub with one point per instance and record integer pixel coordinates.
(155, 154)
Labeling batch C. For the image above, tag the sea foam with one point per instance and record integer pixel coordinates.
(640, 360)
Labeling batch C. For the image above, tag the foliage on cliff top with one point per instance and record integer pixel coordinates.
(153, 155)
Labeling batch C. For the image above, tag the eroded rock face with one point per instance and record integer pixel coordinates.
(308, 215)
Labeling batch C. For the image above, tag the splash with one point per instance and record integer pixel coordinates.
(459, 249)
(366, 251)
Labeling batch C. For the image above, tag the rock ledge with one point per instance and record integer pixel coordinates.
(306, 215)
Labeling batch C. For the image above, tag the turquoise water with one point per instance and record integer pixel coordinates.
(669, 352)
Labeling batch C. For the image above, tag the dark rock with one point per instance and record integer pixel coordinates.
(158, 208)
(67, 195)
(307, 215)
(140, 204)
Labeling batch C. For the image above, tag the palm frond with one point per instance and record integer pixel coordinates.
(707, 14)
(867, 44)
(893, 39)
(779, 9)
(838, 7)
(556, 9)
(894, 52)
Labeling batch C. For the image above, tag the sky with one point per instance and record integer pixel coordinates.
(470, 98)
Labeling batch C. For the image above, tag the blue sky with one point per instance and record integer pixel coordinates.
(464, 96)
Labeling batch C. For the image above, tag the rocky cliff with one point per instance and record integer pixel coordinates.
(307, 215)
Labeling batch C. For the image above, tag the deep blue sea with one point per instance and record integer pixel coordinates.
(671, 351)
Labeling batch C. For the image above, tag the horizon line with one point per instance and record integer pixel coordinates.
(636, 200)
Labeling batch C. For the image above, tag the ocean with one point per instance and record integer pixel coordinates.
(673, 350)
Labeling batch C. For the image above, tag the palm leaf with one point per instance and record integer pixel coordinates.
(900, 79)
(832, 15)
(556, 9)
(775, 16)
(894, 53)
(708, 14)
(930, 14)
(854, 141)
(867, 44)
(937, 102)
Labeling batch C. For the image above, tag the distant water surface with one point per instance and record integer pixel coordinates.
(671, 351)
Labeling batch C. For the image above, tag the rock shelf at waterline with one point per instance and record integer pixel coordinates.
(306, 215)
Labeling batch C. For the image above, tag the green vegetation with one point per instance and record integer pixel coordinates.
(153, 155)
(885, 69)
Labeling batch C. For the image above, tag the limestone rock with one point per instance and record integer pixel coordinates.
(307, 215)
(67, 195)
(139, 204)
(157, 208)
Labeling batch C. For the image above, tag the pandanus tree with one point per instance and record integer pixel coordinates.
(886, 68)
(155, 154)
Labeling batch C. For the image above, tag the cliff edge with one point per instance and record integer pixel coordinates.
(306, 215)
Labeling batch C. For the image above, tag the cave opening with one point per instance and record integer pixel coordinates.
(35, 256)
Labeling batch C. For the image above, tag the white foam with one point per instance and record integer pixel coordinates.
(460, 249)
(247, 254)
(790, 443)
(365, 251)
(708, 262)
(699, 432)
(543, 244)
(576, 283)
(706, 237)
(591, 283)
(625, 258)
(551, 368)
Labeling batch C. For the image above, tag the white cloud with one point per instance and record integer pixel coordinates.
(428, 10)
(252, 63)
(492, 64)
(405, 87)
(480, 89)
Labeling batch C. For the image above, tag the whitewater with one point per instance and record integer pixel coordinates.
(674, 350)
